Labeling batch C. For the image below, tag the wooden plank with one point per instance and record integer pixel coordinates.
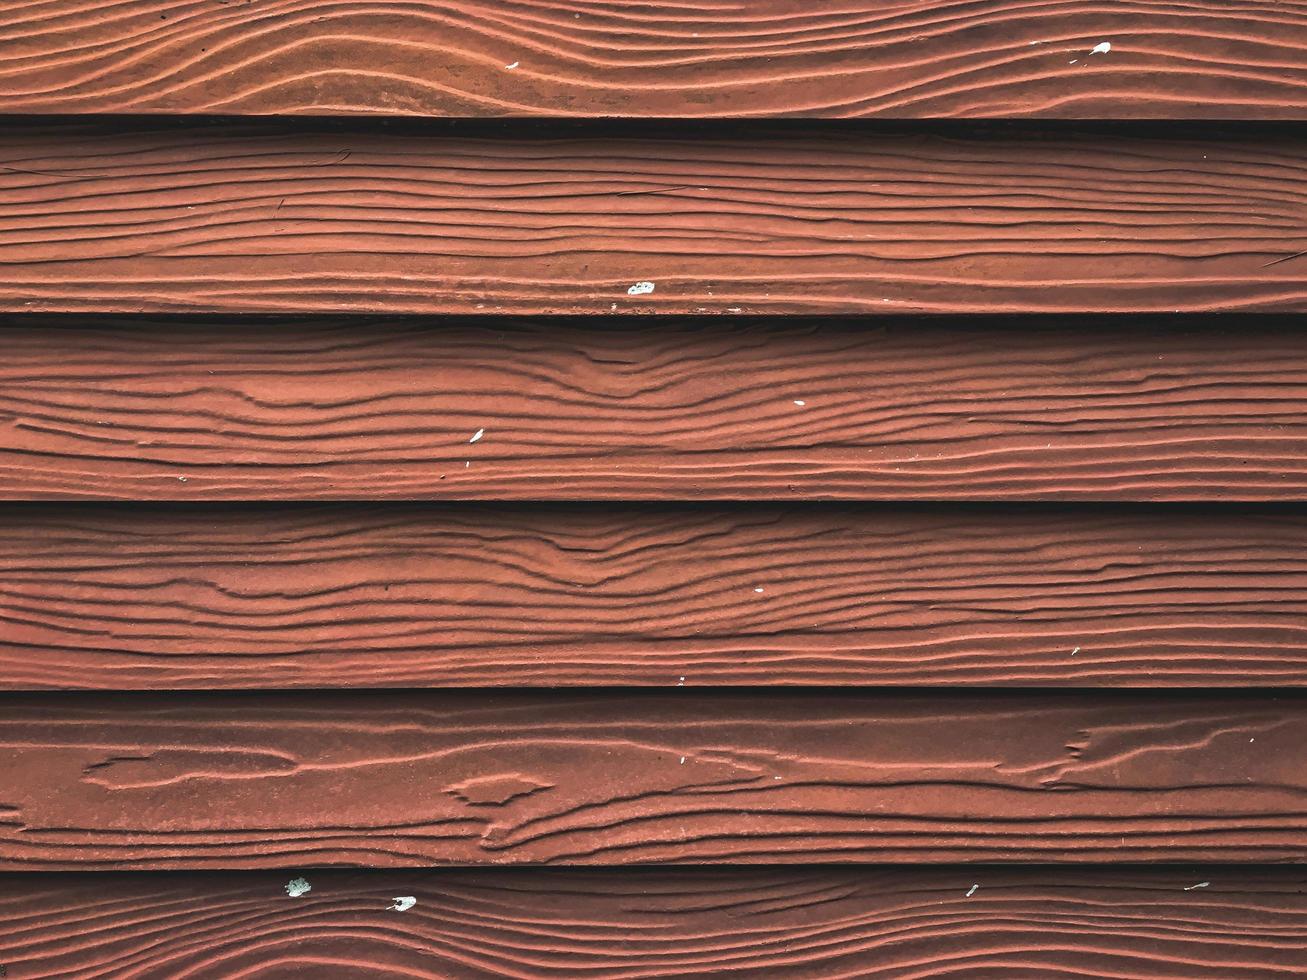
(176, 781)
(1218, 59)
(1159, 924)
(1072, 408)
(161, 598)
(96, 219)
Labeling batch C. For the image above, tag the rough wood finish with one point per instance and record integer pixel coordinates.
(1202, 58)
(178, 781)
(1089, 409)
(217, 220)
(1150, 924)
(234, 597)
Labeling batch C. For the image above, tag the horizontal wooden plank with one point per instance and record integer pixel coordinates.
(274, 220)
(1217, 59)
(1090, 409)
(1203, 923)
(312, 596)
(176, 781)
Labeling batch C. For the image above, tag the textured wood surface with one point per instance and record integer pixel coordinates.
(175, 781)
(1150, 924)
(97, 219)
(1225, 59)
(908, 409)
(236, 597)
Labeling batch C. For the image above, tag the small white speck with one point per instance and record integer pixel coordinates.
(1251, 740)
(181, 479)
(1102, 47)
(680, 682)
(640, 289)
(297, 887)
(476, 436)
(512, 66)
(467, 464)
(1036, 42)
(800, 402)
(1201, 884)
(972, 890)
(758, 589)
(776, 777)
(682, 760)
(1075, 651)
(1073, 61)
(735, 309)
(403, 903)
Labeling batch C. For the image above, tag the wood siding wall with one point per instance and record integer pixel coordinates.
(455, 453)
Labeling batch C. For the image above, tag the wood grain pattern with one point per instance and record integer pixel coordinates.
(176, 781)
(1218, 59)
(1072, 408)
(1150, 924)
(352, 596)
(97, 219)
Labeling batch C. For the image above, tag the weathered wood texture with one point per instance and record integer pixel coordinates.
(177, 781)
(1150, 924)
(96, 219)
(1090, 409)
(157, 598)
(1201, 58)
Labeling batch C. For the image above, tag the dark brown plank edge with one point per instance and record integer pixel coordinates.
(1065, 408)
(177, 596)
(1200, 923)
(1198, 59)
(284, 218)
(182, 780)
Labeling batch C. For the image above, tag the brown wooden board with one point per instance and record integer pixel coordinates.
(1201, 923)
(1132, 409)
(1197, 59)
(275, 220)
(176, 781)
(467, 595)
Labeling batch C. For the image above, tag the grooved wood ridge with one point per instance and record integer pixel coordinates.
(916, 59)
(177, 781)
(95, 219)
(899, 409)
(1204, 923)
(468, 595)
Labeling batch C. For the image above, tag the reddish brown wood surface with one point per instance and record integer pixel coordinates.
(901, 409)
(1204, 923)
(287, 596)
(99, 219)
(1200, 58)
(174, 781)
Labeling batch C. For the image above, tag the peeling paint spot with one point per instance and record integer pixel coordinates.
(972, 890)
(1201, 884)
(640, 289)
(476, 436)
(1102, 48)
(403, 903)
(800, 402)
(1075, 651)
(297, 887)
(512, 66)
(758, 589)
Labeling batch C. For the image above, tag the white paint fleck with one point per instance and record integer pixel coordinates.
(1036, 42)
(758, 589)
(1201, 884)
(800, 402)
(181, 479)
(1102, 47)
(403, 903)
(1251, 740)
(297, 887)
(1073, 61)
(512, 66)
(476, 436)
(972, 890)
(680, 682)
(1075, 651)
(640, 288)
(682, 760)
